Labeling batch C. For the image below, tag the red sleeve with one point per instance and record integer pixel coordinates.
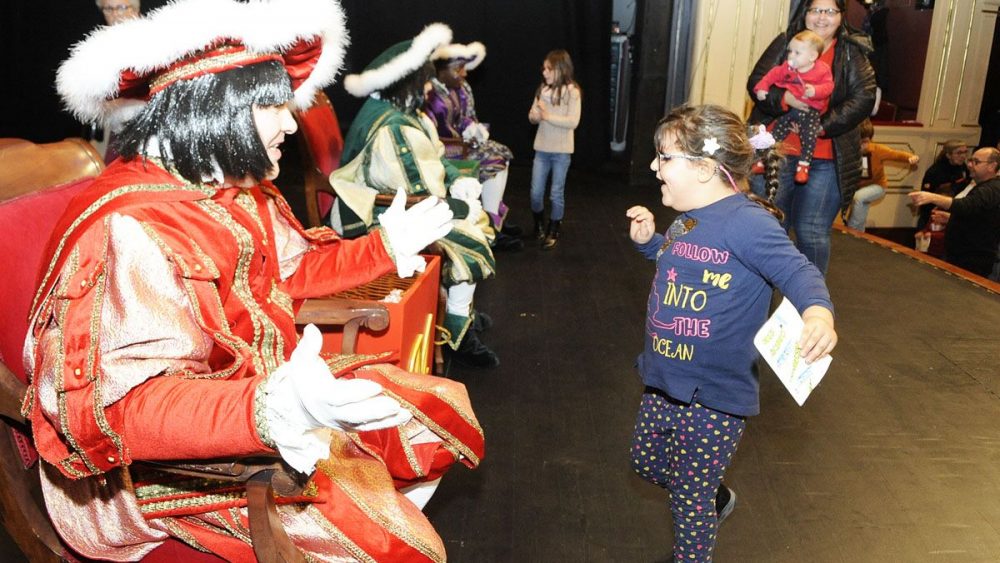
(771, 78)
(169, 418)
(339, 264)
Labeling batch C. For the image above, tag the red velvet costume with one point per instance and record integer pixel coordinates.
(162, 311)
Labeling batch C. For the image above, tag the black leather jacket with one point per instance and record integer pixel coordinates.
(851, 102)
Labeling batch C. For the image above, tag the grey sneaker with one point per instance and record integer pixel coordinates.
(725, 502)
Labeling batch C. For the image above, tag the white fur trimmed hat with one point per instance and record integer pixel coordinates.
(111, 75)
(471, 54)
(398, 61)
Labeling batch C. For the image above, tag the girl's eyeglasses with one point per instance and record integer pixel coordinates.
(666, 157)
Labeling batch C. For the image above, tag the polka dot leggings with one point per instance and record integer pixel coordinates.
(809, 126)
(685, 449)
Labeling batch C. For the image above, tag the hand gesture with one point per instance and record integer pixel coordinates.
(345, 404)
(913, 159)
(543, 110)
(762, 95)
(410, 230)
(304, 402)
(642, 225)
(921, 197)
(809, 90)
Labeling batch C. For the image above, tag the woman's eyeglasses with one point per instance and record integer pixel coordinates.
(829, 12)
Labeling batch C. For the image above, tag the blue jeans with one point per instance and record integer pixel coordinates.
(809, 208)
(863, 199)
(558, 164)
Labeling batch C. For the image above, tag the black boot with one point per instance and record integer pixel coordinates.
(510, 229)
(473, 353)
(506, 242)
(551, 235)
(539, 225)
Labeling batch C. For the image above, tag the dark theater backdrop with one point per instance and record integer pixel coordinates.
(37, 34)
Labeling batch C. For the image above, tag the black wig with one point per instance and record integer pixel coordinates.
(206, 124)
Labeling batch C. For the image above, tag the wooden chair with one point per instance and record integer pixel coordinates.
(36, 183)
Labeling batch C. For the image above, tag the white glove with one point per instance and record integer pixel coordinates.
(476, 132)
(410, 230)
(466, 189)
(470, 191)
(304, 402)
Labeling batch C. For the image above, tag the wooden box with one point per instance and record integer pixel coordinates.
(410, 334)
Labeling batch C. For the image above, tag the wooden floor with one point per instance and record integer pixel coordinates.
(895, 457)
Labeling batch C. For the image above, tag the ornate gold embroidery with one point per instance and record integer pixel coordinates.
(182, 534)
(260, 422)
(343, 362)
(267, 339)
(338, 536)
(176, 504)
(354, 480)
(426, 420)
(61, 310)
(411, 457)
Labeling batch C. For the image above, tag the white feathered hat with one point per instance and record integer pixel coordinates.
(471, 54)
(111, 75)
(398, 61)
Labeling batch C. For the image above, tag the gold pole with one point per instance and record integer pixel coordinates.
(427, 350)
(415, 353)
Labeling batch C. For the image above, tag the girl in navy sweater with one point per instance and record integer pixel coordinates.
(715, 266)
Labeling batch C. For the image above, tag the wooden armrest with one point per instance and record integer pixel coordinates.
(349, 313)
(12, 392)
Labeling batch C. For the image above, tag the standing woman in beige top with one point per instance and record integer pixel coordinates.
(556, 110)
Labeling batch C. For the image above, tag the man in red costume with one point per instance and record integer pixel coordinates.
(163, 325)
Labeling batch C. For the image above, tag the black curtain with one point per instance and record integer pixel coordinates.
(517, 34)
(36, 36)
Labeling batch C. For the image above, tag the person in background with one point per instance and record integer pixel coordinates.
(452, 107)
(556, 111)
(164, 326)
(835, 172)
(973, 234)
(698, 363)
(117, 11)
(392, 143)
(876, 155)
(948, 175)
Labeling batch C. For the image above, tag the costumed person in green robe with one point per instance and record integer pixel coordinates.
(392, 144)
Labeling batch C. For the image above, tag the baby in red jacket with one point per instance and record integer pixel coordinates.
(810, 81)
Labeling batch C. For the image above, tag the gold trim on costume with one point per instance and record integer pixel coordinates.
(207, 64)
(179, 532)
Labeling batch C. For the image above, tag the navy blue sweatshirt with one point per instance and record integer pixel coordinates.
(711, 294)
